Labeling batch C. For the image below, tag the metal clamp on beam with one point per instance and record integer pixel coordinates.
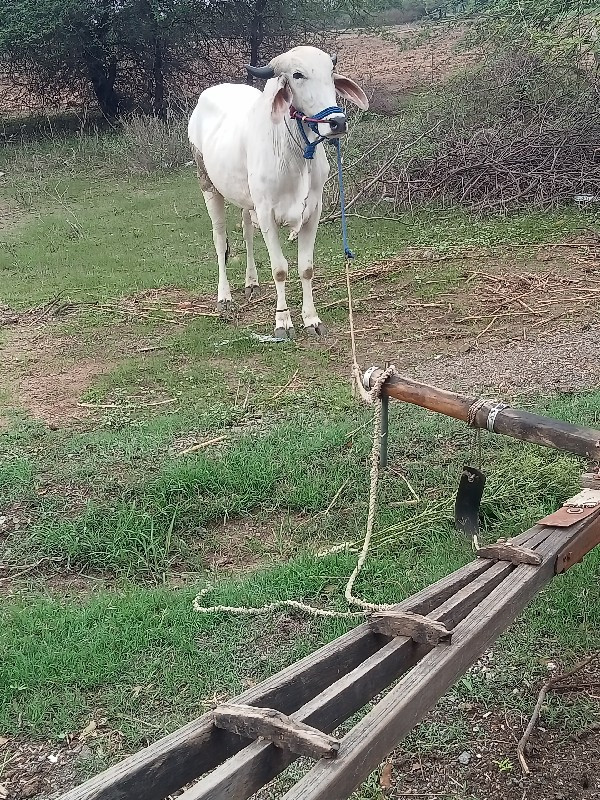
(252, 722)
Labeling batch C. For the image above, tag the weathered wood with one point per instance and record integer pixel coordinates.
(369, 742)
(590, 480)
(196, 748)
(506, 551)
(283, 731)
(573, 552)
(255, 765)
(415, 626)
(184, 755)
(522, 425)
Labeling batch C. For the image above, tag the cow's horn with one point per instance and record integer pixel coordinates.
(261, 72)
(334, 58)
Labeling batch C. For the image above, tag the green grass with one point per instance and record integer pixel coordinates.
(115, 499)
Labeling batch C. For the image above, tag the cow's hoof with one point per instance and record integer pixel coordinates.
(252, 292)
(284, 333)
(225, 306)
(316, 330)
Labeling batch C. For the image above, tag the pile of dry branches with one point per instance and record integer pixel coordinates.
(516, 133)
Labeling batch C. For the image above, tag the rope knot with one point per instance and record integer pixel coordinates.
(380, 380)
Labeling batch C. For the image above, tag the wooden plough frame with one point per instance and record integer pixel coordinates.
(428, 641)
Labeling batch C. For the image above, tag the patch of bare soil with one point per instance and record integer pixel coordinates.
(243, 545)
(516, 322)
(9, 214)
(45, 376)
(40, 770)
(485, 765)
(406, 59)
(46, 769)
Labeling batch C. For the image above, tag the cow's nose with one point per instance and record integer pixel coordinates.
(338, 123)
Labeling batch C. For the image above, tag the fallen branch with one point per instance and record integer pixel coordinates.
(128, 406)
(548, 686)
(287, 386)
(202, 445)
(24, 569)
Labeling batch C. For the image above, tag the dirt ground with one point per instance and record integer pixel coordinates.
(404, 60)
(510, 324)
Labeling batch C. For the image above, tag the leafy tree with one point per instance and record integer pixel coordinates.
(121, 50)
(555, 28)
(129, 52)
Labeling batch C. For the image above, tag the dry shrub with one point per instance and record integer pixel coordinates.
(152, 145)
(516, 132)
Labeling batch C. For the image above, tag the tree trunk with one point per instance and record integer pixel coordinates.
(102, 78)
(159, 78)
(256, 35)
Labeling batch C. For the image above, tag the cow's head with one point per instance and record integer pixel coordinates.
(304, 77)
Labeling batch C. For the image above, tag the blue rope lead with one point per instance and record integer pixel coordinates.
(347, 252)
(309, 152)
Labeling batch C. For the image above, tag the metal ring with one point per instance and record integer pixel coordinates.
(367, 377)
(491, 417)
(575, 509)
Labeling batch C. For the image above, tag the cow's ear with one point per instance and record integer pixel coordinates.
(282, 99)
(351, 91)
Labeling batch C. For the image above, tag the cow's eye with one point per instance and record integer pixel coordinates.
(298, 75)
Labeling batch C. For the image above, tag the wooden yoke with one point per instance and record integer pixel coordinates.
(494, 416)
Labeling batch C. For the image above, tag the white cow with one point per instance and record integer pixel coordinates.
(250, 151)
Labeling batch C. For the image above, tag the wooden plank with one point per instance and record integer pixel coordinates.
(405, 705)
(415, 626)
(522, 425)
(507, 551)
(255, 765)
(278, 728)
(579, 546)
(590, 480)
(184, 755)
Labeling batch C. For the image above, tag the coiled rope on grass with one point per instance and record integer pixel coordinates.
(372, 397)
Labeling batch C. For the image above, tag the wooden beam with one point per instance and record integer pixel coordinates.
(198, 747)
(522, 425)
(280, 729)
(415, 626)
(369, 742)
(255, 765)
(573, 552)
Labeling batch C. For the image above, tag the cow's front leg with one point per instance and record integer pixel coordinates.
(284, 327)
(306, 246)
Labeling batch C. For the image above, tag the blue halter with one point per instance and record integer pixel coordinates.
(313, 123)
(309, 152)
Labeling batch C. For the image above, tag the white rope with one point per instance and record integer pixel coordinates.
(372, 397)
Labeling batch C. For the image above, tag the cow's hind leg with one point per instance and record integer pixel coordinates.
(215, 205)
(252, 287)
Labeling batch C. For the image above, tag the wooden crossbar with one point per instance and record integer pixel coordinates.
(278, 728)
(415, 626)
(496, 417)
(507, 551)
(475, 604)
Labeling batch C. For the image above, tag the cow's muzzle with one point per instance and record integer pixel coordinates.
(338, 124)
